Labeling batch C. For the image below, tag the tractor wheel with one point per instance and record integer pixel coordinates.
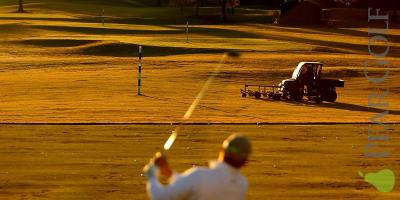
(318, 99)
(257, 95)
(296, 95)
(330, 96)
(277, 96)
(285, 95)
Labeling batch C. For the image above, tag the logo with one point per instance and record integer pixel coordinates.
(383, 180)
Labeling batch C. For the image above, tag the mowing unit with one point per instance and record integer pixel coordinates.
(306, 81)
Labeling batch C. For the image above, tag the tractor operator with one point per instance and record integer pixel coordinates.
(307, 77)
(222, 180)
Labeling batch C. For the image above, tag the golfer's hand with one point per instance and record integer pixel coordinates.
(149, 171)
(160, 160)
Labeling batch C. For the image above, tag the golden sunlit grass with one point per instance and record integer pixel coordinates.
(91, 89)
(59, 64)
(105, 162)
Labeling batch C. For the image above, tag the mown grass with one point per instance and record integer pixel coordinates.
(59, 64)
(105, 162)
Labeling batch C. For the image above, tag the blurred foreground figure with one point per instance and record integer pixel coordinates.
(222, 180)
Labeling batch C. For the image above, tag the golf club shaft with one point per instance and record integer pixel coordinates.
(193, 106)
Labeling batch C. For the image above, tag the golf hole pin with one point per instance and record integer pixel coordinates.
(383, 181)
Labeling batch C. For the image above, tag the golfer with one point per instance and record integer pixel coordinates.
(222, 180)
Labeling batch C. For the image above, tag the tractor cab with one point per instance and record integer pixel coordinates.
(306, 71)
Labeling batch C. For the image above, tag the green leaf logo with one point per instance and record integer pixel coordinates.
(383, 181)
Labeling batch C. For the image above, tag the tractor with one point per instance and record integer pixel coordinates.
(306, 81)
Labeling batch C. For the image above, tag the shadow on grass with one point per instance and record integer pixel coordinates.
(358, 48)
(325, 45)
(102, 30)
(56, 42)
(343, 106)
(291, 29)
(352, 32)
(116, 49)
(216, 32)
(13, 28)
(321, 45)
(326, 30)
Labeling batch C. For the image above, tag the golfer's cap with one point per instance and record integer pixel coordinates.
(237, 144)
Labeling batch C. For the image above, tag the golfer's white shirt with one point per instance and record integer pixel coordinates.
(219, 182)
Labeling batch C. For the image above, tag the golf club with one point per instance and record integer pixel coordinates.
(168, 144)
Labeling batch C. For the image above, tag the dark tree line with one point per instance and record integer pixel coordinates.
(388, 5)
(384, 4)
(224, 4)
